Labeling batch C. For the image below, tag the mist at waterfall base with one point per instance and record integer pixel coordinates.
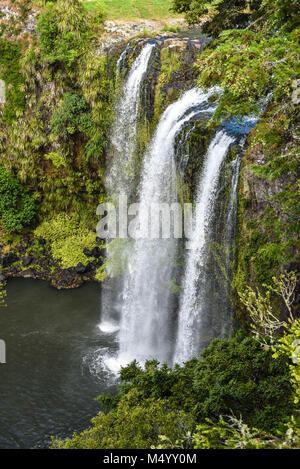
(142, 312)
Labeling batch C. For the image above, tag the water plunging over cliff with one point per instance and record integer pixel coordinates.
(192, 302)
(145, 303)
(146, 315)
(124, 132)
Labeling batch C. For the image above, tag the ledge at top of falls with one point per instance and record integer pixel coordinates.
(118, 32)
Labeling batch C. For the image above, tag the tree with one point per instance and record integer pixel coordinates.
(218, 15)
(132, 425)
(234, 376)
(63, 32)
(71, 116)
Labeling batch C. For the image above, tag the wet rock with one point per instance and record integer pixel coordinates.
(29, 273)
(80, 268)
(87, 252)
(27, 261)
(96, 252)
(66, 279)
(100, 241)
(7, 260)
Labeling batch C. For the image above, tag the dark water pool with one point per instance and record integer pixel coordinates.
(53, 370)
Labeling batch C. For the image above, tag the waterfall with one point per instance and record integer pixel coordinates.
(124, 132)
(192, 301)
(144, 313)
(145, 317)
(232, 204)
(122, 59)
(120, 176)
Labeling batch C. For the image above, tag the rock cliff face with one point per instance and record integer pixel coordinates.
(267, 240)
(22, 19)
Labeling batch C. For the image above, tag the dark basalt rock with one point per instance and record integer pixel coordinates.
(88, 267)
(100, 241)
(29, 273)
(27, 261)
(80, 268)
(66, 279)
(87, 252)
(7, 260)
(96, 252)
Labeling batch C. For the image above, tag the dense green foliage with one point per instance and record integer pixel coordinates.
(134, 424)
(234, 376)
(160, 407)
(10, 54)
(68, 238)
(63, 32)
(17, 207)
(226, 14)
(71, 116)
(289, 345)
(57, 142)
(234, 434)
(248, 65)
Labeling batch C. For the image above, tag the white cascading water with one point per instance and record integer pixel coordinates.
(124, 132)
(145, 316)
(120, 176)
(232, 204)
(192, 302)
(121, 60)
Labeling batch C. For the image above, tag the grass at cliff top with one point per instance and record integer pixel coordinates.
(132, 9)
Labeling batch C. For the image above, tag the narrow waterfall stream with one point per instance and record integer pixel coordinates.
(192, 304)
(120, 174)
(124, 132)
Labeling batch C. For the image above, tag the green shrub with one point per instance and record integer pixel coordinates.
(232, 433)
(289, 346)
(218, 15)
(133, 425)
(63, 32)
(68, 238)
(57, 159)
(71, 116)
(17, 208)
(234, 376)
(247, 66)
